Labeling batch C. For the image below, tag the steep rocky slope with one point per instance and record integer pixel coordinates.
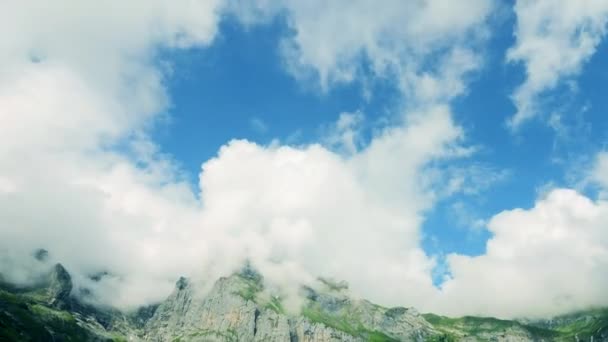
(240, 308)
(237, 309)
(44, 312)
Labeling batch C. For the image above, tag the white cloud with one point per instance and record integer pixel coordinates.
(78, 80)
(312, 208)
(279, 206)
(599, 173)
(345, 133)
(554, 39)
(331, 40)
(296, 212)
(473, 178)
(547, 259)
(464, 216)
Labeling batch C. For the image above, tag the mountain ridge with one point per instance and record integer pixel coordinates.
(239, 308)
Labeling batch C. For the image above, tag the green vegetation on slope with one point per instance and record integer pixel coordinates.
(344, 322)
(582, 325)
(481, 327)
(251, 290)
(275, 305)
(22, 319)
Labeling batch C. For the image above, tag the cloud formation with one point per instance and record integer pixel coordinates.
(395, 42)
(547, 259)
(554, 39)
(80, 87)
(81, 178)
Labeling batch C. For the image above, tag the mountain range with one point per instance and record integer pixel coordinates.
(238, 308)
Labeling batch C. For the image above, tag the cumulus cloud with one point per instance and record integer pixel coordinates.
(80, 87)
(76, 81)
(329, 216)
(554, 39)
(547, 259)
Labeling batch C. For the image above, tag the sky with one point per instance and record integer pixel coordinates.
(451, 157)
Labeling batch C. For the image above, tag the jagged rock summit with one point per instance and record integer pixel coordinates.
(60, 287)
(240, 307)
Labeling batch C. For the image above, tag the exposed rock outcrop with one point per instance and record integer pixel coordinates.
(235, 310)
(41, 254)
(59, 287)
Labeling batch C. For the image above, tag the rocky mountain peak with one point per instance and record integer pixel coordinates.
(332, 284)
(249, 272)
(59, 287)
(239, 307)
(41, 254)
(181, 283)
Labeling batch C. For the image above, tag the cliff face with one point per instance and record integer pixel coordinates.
(239, 308)
(236, 309)
(45, 312)
(60, 287)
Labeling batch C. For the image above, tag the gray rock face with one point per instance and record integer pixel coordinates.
(271, 326)
(60, 287)
(404, 324)
(233, 311)
(229, 312)
(41, 254)
(222, 315)
(303, 330)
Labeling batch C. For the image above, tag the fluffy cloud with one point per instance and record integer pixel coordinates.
(332, 40)
(76, 81)
(80, 87)
(547, 259)
(345, 134)
(326, 215)
(295, 212)
(554, 39)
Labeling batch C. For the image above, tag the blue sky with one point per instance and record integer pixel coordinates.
(218, 92)
(430, 153)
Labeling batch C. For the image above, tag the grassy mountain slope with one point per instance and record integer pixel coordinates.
(24, 318)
